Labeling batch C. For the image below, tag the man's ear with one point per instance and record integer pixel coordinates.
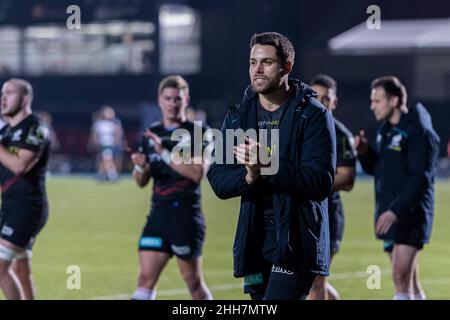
(394, 101)
(26, 100)
(336, 101)
(286, 68)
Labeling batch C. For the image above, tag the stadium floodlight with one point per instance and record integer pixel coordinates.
(176, 16)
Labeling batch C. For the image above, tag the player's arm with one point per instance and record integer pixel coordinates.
(192, 168)
(141, 170)
(366, 155)
(118, 134)
(192, 171)
(19, 163)
(345, 164)
(344, 178)
(227, 180)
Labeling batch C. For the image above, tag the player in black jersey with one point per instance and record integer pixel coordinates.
(326, 89)
(175, 225)
(24, 152)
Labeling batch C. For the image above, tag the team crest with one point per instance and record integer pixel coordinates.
(396, 142)
(37, 137)
(17, 135)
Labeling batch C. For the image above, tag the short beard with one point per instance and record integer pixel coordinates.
(269, 89)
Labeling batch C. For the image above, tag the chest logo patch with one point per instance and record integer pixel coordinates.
(17, 135)
(396, 143)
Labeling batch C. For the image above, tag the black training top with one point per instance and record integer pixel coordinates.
(31, 135)
(345, 157)
(170, 188)
(269, 120)
(403, 160)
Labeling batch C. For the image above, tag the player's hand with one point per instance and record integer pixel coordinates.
(361, 143)
(139, 159)
(385, 222)
(247, 154)
(157, 142)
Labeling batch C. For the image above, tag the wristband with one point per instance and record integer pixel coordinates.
(166, 157)
(138, 168)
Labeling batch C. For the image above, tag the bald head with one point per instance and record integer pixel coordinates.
(16, 98)
(24, 86)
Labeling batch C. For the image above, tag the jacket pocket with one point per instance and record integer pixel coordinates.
(311, 216)
(309, 229)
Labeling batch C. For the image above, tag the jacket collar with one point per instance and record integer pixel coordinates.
(248, 111)
(302, 91)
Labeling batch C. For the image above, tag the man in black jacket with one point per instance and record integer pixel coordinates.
(326, 89)
(282, 237)
(403, 162)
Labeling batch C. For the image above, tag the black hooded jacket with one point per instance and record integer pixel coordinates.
(300, 187)
(403, 160)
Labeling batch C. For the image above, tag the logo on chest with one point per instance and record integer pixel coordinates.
(396, 142)
(17, 135)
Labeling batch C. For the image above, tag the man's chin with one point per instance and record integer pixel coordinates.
(261, 90)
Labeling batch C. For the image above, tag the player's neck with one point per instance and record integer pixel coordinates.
(273, 100)
(18, 117)
(394, 119)
(171, 123)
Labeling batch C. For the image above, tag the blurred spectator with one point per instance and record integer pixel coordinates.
(448, 149)
(107, 141)
(47, 119)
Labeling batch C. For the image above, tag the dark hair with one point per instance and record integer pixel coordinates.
(284, 47)
(324, 81)
(393, 88)
(174, 81)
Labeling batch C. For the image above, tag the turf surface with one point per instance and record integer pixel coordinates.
(96, 227)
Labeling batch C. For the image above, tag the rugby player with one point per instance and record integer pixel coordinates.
(175, 225)
(403, 160)
(24, 151)
(326, 89)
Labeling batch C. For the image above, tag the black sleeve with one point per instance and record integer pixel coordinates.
(345, 153)
(198, 146)
(422, 154)
(312, 176)
(227, 180)
(143, 147)
(368, 161)
(33, 138)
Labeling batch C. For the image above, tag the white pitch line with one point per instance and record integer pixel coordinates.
(226, 287)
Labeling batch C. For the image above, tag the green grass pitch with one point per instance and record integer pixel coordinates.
(97, 226)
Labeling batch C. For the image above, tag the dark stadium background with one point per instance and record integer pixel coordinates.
(225, 30)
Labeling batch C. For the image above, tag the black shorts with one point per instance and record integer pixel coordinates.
(278, 284)
(21, 223)
(336, 222)
(175, 230)
(404, 232)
